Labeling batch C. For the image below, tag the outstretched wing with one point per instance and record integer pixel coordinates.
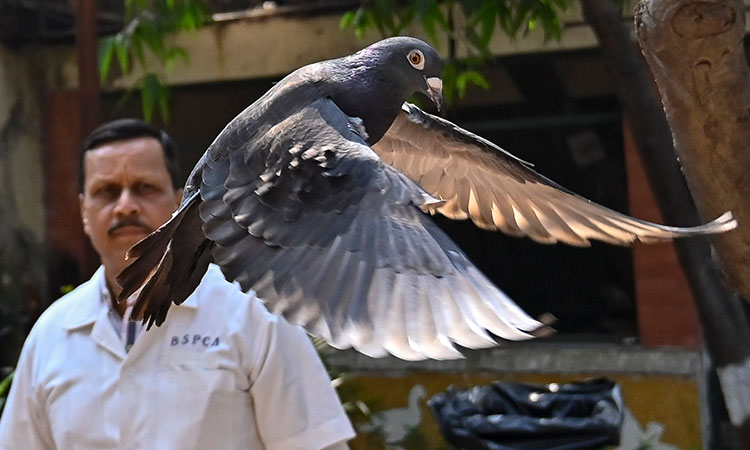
(479, 180)
(311, 219)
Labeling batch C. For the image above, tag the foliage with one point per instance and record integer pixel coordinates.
(469, 23)
(4, 390)
(22, 283)
(347, 390)
(148, 23)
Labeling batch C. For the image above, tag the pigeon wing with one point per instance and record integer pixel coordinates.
(497, 191)
(332, 238)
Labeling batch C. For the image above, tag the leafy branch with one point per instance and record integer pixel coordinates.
(479, 21)
(148, 23)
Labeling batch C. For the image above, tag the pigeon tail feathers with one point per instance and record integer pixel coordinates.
(183, 257)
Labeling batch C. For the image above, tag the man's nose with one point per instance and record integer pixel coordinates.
(127, 204)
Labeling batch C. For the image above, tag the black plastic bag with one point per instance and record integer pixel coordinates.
(507, 415)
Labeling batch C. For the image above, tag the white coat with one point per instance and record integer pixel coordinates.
(220, 373)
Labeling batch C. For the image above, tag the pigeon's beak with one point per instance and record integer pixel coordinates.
(435, 91)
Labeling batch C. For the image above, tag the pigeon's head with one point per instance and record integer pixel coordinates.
(415, 65)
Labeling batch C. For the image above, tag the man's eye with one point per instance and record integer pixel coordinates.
(145, 188)
(106, 192)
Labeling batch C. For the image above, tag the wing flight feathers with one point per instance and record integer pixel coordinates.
(478, 180)
(291, 201)
(332, 238)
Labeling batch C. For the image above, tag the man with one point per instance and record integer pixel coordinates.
(220, 373)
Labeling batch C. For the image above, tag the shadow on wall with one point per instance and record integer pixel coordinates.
(22, 262)
(22, 285)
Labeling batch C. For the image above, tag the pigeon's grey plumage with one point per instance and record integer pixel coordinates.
(314, 196)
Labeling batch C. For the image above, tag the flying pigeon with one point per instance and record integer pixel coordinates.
(315, 197)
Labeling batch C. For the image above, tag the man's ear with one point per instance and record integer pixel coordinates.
(178, 194)
(84, 220)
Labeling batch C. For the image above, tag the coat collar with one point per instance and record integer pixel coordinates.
(88, 305)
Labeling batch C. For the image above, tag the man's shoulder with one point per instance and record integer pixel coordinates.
(216, 288)
(59, 312)
(82, 292)
(75, 294)
(221, 297)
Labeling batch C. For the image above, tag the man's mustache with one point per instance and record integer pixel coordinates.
(128, 222)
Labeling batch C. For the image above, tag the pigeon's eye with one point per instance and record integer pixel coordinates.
(416, 59)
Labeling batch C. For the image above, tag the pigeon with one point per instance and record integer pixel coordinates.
(318, 195)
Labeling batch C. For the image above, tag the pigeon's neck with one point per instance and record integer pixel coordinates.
(371, 96)
(379, 114)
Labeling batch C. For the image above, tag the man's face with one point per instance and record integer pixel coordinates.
(127, 193)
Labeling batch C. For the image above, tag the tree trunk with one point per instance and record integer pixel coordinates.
(696, 53)
(721, 312)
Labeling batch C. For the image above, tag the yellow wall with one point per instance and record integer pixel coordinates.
(669, 400)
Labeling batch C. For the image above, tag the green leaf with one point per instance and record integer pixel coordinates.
(131, 6)
(106, 51)
(477, 44)
(193, 16)
(163, 99)
(123, 54)
(521, 15)
(383, 14)
(449, 82)
(151, 36)
(148, 23)
(406, 17)
(173, 55)
(150, 87)
(477, 79)
(428, 24)
(347, 20)
(357, 22)
(365, 21)
(5, 385)
(550, 21)
(461, 81)
(126, 96)
(431, 17)
(487, 20)
(138, 50)
(66, 288)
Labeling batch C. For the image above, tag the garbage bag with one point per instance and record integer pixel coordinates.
(518, 416)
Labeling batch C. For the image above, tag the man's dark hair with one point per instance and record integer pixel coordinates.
(121, 129)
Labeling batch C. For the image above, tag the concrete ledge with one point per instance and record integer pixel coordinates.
(540, 358)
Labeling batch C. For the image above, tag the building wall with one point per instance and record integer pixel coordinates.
(661, 390)
(270, 46)
(22, 267)
(21, 175)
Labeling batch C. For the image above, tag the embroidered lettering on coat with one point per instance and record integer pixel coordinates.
(194, 340)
